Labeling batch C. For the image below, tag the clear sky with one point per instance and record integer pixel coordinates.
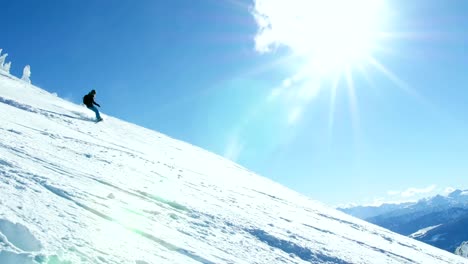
(343, 101)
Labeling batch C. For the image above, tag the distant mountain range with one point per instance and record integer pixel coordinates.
(440, 221)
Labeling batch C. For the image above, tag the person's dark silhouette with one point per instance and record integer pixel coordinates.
(88, 100)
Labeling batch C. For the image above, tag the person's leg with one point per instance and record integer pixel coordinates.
(96, 111)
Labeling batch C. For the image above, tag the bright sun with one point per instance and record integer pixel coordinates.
(332, 33)
(338, 33)
(331, 37)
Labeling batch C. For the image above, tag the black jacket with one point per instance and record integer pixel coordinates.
(88, 100)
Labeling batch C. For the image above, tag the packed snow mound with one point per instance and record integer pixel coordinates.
(75, 191)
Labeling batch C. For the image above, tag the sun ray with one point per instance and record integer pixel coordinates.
(278, 61)
(331, 115)
(368, 78)
(415, 35)
(402, 85)
(394, 78)
(238, 4)
(352, 101)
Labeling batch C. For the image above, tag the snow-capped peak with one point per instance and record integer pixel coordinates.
(423, 231)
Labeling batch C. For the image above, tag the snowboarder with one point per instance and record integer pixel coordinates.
(88, 100)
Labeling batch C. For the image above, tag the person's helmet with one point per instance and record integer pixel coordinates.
(93, 91)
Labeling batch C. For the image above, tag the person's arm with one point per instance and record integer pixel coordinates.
(96, 103)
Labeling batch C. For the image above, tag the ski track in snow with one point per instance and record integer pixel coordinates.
(72, 191)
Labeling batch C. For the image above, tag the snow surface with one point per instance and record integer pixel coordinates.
(75, 191)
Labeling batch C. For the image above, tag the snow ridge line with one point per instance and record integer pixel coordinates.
(145, 196)
(292, 248)
(388, 253)
(65, 195)
(32, 109)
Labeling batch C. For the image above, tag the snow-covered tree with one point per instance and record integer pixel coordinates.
(3, 66)
(462, 250)
(26, 74)
(2, 60)
(7, 66)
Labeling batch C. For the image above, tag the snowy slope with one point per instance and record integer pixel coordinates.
(72, 191)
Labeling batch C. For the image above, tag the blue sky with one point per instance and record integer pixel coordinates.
(253, 81)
